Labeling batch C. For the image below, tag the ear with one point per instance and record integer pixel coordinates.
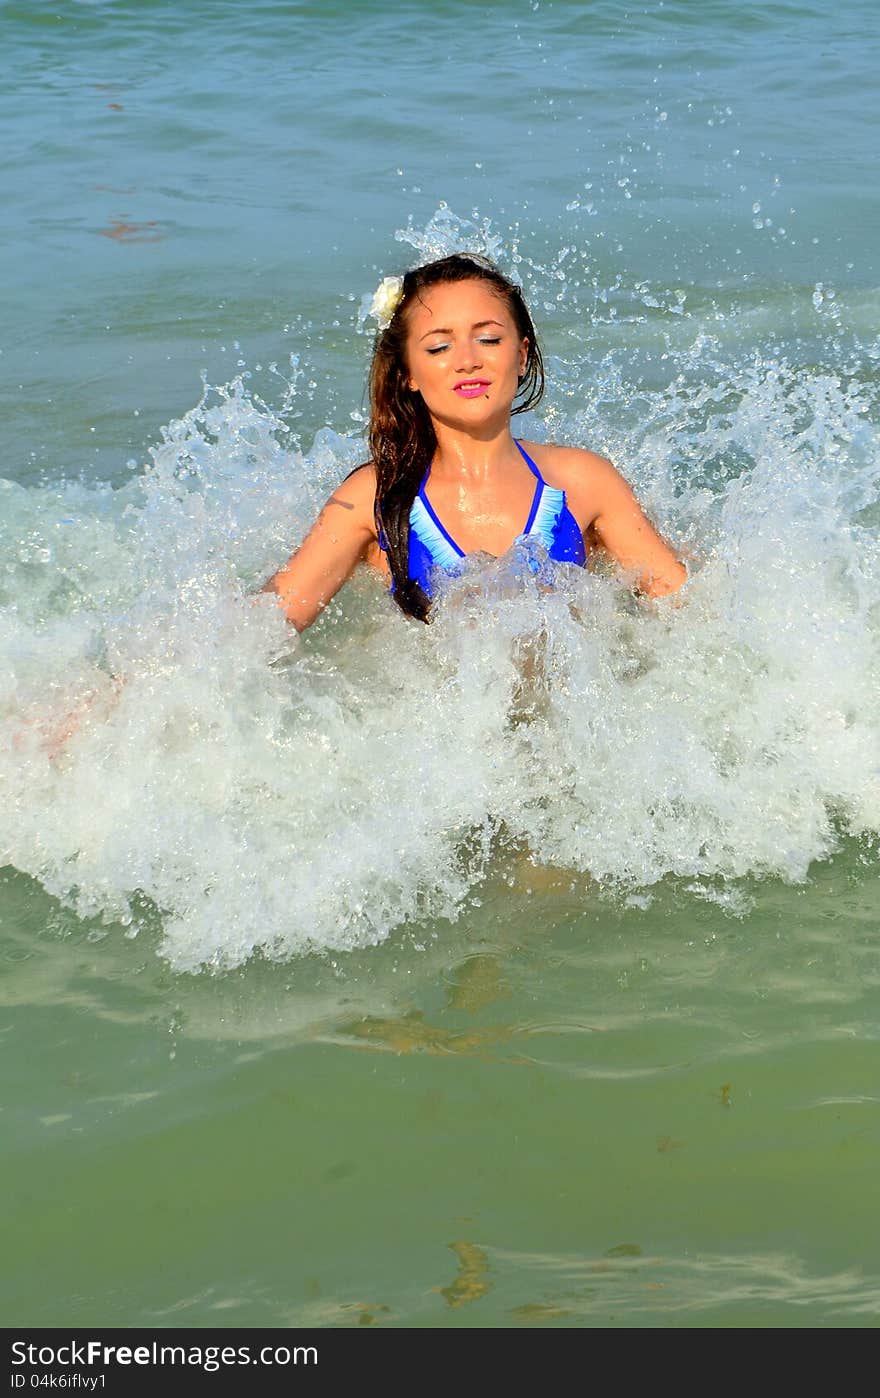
(523, 357)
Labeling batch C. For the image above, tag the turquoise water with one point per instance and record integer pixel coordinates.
(356, 980)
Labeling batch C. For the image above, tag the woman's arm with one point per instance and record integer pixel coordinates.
(330, 552)
(621, 527)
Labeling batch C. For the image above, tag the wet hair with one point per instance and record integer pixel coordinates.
(401, 436)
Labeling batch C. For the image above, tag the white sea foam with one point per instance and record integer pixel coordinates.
(168, 737)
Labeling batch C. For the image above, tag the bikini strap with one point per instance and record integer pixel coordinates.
(528, 460)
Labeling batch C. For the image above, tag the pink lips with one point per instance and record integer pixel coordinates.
(471, 388)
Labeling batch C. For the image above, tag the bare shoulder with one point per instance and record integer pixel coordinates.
(586, 477)
(358, 486)
(354, 498)
(567, 466)
(610, 516)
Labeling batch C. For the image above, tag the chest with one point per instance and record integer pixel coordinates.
(479, 519)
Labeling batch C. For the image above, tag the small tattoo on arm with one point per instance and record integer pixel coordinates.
(346, 504)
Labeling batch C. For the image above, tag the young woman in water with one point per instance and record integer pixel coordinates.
(455, 359)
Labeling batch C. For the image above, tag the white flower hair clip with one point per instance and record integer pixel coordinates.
(386, 299)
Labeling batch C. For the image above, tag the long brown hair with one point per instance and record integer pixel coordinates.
(401, 437)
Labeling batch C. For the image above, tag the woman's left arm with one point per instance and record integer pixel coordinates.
(626, 533)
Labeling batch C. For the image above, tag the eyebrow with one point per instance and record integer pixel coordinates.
(442, 330)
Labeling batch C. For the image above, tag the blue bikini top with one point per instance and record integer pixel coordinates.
(550, 523)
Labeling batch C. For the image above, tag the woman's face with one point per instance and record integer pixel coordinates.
(463, 352)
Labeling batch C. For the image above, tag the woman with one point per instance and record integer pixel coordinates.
(456, 357)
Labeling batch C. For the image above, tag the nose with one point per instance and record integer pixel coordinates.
(467, 357)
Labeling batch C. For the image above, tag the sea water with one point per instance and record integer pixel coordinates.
(521, 969)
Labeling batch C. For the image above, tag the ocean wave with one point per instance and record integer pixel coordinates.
(169, 740)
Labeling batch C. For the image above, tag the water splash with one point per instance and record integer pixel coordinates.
(169, 741)
(446, 232)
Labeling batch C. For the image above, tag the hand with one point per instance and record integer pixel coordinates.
(56, 731)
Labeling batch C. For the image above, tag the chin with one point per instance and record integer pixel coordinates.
(487, 418)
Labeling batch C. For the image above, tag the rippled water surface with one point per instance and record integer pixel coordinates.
(517, 971)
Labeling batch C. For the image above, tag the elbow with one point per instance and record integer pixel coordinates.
(662, 584)
(293, 612)
(300, 612)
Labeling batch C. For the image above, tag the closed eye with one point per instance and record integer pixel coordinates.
(483, 340)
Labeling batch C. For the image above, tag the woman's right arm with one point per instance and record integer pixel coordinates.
(338, 540)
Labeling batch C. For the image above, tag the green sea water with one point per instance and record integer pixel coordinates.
(352, 981)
